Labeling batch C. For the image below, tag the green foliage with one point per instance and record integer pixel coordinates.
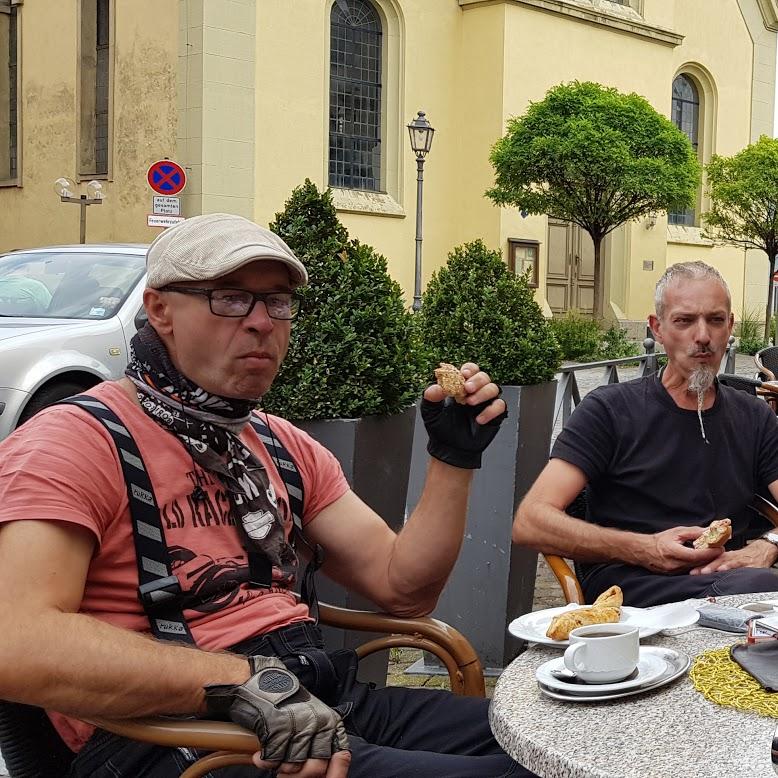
(475, 309)
(353, 350)
(579, 338)
(750, 331)
(582, 339)
(594, 156)
(744, 196)
(743, 193)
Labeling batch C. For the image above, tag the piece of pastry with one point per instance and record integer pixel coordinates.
(612, 598)
(716, 535)
(451, 381)
(605, 610)
(561, 626)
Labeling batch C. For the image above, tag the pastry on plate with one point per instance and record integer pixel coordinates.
(605, 610)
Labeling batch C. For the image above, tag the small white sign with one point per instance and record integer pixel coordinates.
(158, 220)
(166, 205)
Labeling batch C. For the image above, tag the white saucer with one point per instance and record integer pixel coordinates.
(676, 664)
(650, 667)
(533, 626)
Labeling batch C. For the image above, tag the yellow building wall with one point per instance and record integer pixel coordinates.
(142, 125)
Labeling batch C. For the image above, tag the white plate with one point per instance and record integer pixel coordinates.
(650, 667)
(533, 626)
(677, 664)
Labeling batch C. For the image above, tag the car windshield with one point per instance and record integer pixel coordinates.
(67, 285)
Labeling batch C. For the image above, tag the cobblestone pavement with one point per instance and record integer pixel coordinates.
(547, 592)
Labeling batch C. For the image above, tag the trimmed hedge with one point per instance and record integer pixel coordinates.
(353, 350)
(475, 309)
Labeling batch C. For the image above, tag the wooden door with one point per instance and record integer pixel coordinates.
(570, 271)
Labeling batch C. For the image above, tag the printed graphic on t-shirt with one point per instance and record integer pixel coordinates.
(209, 580)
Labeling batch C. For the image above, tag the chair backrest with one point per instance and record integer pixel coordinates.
(31, 747)
(767, 358)
(740, 382)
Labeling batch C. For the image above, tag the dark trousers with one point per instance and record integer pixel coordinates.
(393, 732)
(642, 588)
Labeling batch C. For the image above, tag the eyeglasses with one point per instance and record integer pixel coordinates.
(236, 303)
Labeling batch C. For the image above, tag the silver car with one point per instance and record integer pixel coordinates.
(67, 314)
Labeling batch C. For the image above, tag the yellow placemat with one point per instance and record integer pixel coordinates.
(722, 680)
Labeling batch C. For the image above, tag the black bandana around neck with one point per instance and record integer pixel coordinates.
(208, 426)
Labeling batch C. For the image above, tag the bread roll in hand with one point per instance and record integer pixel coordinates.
(451, 381)
(717, 534)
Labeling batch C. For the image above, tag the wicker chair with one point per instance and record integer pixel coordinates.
(740, 382)
(571, 587)
(767, 363)
(33, 749)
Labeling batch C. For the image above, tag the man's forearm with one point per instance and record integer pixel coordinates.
(90, 668)
(551, 531)
(428, 545)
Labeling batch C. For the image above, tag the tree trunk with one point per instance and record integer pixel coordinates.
(598, 308)
(769, 309)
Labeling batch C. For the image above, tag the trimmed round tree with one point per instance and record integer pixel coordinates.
(593, 156)
(474, 308)
(743, 212)
(353, 347)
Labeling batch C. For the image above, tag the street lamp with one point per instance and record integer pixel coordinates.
(421, 133)
(66, 189)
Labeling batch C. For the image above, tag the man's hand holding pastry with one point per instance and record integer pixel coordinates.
(668, 552)
(462, 414)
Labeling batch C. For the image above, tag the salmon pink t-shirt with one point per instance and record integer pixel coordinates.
(63, 466)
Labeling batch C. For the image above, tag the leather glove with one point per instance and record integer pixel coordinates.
(291, 724)
(455, 437)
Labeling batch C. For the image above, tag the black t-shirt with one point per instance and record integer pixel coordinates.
(649, 468)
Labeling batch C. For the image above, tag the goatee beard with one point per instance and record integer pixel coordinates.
(700, 380)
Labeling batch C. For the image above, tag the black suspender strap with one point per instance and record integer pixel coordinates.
(159, 590)
(295, 490)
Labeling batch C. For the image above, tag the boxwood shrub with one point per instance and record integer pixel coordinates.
(353, 350)
(475, 309)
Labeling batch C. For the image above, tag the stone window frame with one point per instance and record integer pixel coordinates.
(87, 85)
(705, 85)
(389, 201)
(13, 142)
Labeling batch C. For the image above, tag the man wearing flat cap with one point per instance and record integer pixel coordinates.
(150, 532)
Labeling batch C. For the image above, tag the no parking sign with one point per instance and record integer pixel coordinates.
(166, 177)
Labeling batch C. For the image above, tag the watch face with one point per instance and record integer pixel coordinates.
(771, 536)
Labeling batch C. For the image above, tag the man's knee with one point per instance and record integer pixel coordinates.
(745, 580)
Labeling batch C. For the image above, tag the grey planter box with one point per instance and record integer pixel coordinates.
(493, 581)
(375, 454)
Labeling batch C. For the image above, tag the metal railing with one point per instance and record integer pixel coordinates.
(568, 394)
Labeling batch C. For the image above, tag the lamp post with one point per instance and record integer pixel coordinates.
(66, 187)
(421, 133)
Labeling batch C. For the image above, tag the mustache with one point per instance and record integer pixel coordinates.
(700, 351)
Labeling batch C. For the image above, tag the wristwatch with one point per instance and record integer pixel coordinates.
(771, 537)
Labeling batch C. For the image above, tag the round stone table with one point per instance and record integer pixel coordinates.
(671, 732)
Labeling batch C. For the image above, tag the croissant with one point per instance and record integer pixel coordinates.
(611, 598)
(605, 610)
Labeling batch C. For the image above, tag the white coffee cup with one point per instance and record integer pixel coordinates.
(603, 653)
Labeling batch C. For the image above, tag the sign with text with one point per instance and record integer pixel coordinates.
(169, 206)
(160, 220)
